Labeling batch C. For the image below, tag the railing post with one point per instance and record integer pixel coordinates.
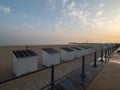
(83, 68)
(108, 54)
(52, 77)
(95, 59)
(110, 50)
(105, 54)
(101, 55)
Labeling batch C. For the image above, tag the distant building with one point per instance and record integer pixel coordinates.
(24, 61)
(50, 56)
(67, 54)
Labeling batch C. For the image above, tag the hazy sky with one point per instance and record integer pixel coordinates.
(59, 21)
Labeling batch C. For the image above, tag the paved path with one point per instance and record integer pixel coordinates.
(109, 78)
(75, 82)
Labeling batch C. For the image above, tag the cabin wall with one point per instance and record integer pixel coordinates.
(45, 58)
(66, 56)
(25, 65)
(55, 59)
(49, 59)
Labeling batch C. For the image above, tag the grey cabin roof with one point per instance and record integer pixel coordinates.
(76, 48)
(84, 47)
(67, 49)
(50, 50)
(24, 53)
(90, 47)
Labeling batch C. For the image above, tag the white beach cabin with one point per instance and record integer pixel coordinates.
(77, 52)
(105, 46)
(50, 57)
(67, 54)
(90, 49)
(85, 50)
(24, 61)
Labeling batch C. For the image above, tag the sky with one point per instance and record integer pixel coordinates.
(37, 22)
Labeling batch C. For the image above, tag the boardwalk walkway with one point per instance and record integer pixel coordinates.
(109, 78)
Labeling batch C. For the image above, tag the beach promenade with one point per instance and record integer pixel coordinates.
(64, 72)
(38, 80)
(109, 77)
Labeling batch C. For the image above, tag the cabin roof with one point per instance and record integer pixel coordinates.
(50, 50)
(24, 53)
(67, 49)
(76, 48)
(84, 47)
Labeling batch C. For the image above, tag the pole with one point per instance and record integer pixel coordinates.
(83, 68)
(105, 54)
(52, 77)
(108, 54)
(95, 59)
(101, 55)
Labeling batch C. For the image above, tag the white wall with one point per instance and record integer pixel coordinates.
(66, 56)
(80, 53)
(76, 53)
(84, 51)
(55, 58)
(49, 59)
(89, 50)
(71, 55)
(45, 58)
(24, 65)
